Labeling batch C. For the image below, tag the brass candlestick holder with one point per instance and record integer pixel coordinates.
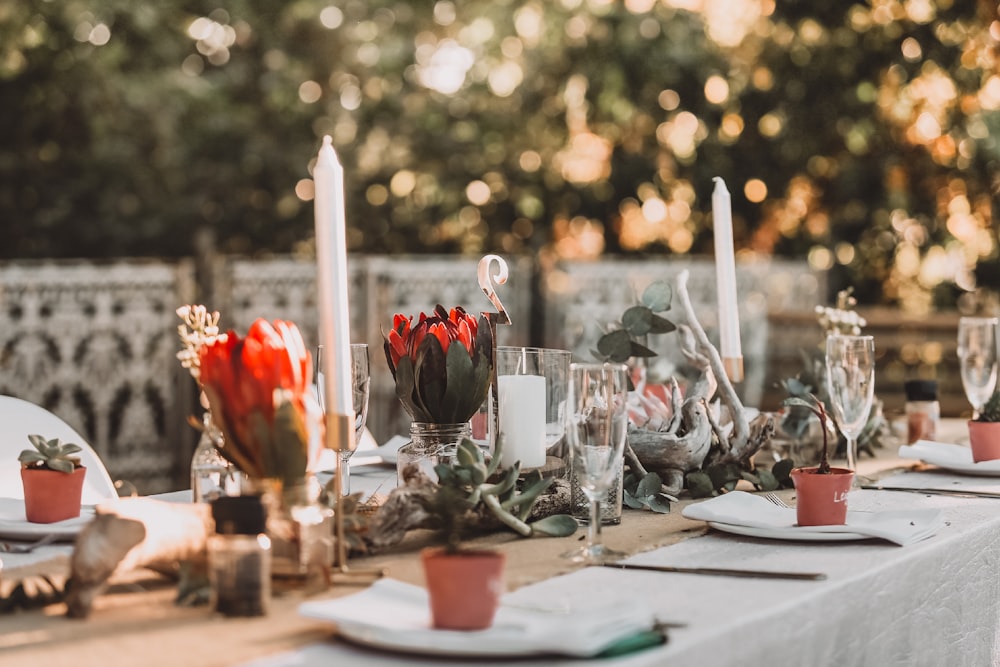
(487, 282)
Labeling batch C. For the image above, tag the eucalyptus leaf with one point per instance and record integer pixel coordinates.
(649, 485)
(661, 325)
(657, 296)
(615, 345)
(699, 485)
(637, 320)
(659, 504)
(557, 525)
(768, 482)
(640, 350)
(631, 501)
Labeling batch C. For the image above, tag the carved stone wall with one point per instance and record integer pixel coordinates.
(95, 344)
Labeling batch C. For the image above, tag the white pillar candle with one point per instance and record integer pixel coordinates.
(334, 315)
(521, 400)
(725, 274)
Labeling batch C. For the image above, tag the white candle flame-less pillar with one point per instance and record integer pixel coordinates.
(334, 315)
(725, 274)
(521, 400)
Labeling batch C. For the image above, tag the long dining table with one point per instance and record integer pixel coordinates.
(936, 602)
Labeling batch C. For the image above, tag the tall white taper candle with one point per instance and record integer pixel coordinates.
(334, 315)
(725, 274)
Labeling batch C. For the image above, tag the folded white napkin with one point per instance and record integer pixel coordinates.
(739, 508)
(395, 615)
(946, 455)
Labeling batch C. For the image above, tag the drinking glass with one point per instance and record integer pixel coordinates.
(977, 354)
(361, 381)
(850, 377)
(596, 421)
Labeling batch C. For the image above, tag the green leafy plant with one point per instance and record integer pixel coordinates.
(471, 485)
(51, 455)
(724, 477)
(620, 343)
(817, 407)
(645, 492)
(991, 410)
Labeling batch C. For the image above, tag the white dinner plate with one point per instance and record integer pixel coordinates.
(950, 457)
(793, 533)
(14, 525)
(393, 615)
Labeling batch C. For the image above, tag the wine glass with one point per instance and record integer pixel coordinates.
(977, 354)
(360, 382)
(596, 422)
(850, 377)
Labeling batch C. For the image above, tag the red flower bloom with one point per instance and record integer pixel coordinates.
(421, 360)
(259, 391)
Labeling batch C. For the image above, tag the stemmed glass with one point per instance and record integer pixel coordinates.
(596, 422)
(850, 376)
(361, 381)
(977, 354)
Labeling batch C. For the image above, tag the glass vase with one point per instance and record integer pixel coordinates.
(299, 525)
(429, 445)
(212, 476)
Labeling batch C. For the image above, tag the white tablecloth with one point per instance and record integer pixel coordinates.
(934, 603)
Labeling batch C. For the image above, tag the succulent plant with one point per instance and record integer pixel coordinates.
(50, 454)
(465, 487)
(815, 405)
(991, 410)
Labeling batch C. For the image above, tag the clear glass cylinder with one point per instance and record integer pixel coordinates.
(212, 476)
(300, 527)
(611, 503)
(429, 445)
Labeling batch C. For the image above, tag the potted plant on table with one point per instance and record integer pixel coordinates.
(984, 431)
(464, 585)
(52, 476)
(821, 490)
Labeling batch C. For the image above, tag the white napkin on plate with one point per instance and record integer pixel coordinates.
(946, 455)
(395, 615)
(740, 508)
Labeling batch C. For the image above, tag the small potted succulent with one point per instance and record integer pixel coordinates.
(822, 490)
(52, 476)
(464, 585)
(984, 431)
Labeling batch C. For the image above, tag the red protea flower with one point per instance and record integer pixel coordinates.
(259, 391)
(436, 380)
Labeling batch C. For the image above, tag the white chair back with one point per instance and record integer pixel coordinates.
(18, 420)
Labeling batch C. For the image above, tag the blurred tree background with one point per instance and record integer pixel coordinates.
(862, 136)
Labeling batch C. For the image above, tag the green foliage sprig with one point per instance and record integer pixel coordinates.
(468, 485)
(620, 344)
(645, 492)
(724, 477)
(51, 454)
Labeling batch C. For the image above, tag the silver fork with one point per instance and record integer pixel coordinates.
(9, 548)
(775, 500)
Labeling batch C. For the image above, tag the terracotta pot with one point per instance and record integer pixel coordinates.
(821, 499)
(464, 587)
(984, 438)
(50, 495)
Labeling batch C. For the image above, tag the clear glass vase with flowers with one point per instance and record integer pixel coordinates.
(259, 389)
(442, 366)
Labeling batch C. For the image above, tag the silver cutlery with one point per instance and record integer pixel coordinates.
(960, 493)
(775, 500)
(721, 571)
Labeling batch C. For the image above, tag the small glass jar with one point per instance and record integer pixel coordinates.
(212, 475)
(239, 557)
(429, 445)
(922, 410)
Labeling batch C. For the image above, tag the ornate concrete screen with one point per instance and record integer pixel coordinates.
(95, 344)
